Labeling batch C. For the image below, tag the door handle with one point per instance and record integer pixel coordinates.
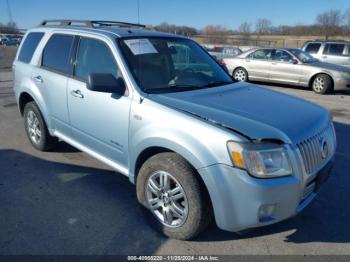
(77, 93)
(38, 79)
(324, 56)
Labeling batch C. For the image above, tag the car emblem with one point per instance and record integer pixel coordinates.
(324, 148)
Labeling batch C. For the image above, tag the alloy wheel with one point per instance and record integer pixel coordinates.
(319, 84)
(33, 127)
(166, 199)
(240, 75)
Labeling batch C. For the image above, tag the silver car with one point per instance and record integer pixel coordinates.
(289, 66)
(331, 51)
(160, 110)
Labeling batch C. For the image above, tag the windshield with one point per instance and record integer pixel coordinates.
(303, 56)
(171, 64)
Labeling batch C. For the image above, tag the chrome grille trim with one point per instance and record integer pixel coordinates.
(310, 149)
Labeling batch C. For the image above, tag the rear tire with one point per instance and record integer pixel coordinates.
(36, 128)
(322, 84)
(175, 215)
(240, 74)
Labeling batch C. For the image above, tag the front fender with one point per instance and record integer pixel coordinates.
(200, 143)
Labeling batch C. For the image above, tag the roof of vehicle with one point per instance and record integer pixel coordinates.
(118, 29)
(271, 48)
(328, 41)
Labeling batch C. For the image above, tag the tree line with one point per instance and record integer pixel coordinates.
(327, 24)
(9, 28)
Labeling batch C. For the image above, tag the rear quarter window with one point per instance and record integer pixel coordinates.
(29, 45)
(57, 53)
(334, 49)
(313, 48)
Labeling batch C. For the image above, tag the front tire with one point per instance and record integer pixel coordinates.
(322, 84)
(36, 128)
(174, 200)
(240, 74)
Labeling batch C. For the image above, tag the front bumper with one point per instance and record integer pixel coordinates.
(240, 200)
(342, 84)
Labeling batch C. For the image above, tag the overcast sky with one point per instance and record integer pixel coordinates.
(196, 13)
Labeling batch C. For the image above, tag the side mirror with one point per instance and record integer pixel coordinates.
(294, 61)
(106, 83)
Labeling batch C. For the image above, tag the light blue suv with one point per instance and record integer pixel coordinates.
(160, 110)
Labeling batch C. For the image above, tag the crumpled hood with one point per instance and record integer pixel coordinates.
(330, 66)
(256, 112)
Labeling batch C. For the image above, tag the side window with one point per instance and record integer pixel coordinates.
(94, 56)
(261, 54)
(29, 45)
(283, 56)
(57, 53)
(313, 48)
(334, 49)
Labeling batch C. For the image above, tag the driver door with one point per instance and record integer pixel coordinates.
(99, 121)
(283, 67)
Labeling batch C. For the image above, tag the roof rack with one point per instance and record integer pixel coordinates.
(328, 40)
(89, 23)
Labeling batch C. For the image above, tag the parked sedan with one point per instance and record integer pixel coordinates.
(289, 66)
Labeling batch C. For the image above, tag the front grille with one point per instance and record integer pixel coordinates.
(311, 149)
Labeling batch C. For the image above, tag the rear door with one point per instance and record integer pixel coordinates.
(99, 121)
(52, 77)
(258, 64)
(283, 67)
(335, 53)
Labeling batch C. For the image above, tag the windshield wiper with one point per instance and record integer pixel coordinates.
(181, 88)
(216, 83)
(171, 88)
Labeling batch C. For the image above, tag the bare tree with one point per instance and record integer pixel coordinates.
(347, 17)
(9, 28)
(244, 28)
(263, 26)
(183, 30)
(330, 22)
(215, 30)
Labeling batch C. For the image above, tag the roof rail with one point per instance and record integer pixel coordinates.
(328, 40)
(89, 23)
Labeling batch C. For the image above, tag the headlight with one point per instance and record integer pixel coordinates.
(263, 160)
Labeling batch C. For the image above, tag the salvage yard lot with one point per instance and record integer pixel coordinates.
(65, 202)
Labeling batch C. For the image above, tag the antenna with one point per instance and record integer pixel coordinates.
(138, 11)
(9, 11)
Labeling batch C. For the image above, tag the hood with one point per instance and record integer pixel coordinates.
(253, 111)
(330, 66)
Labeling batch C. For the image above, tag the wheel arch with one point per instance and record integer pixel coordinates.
(238, 67)
(312, 78)
(147, 153)
(25, 97)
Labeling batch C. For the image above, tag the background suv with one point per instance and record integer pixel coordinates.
(160, 110)
(336, 52)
